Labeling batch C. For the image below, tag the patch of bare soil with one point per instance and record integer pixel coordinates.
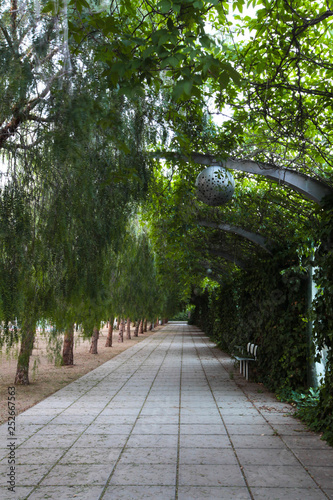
(47, 378)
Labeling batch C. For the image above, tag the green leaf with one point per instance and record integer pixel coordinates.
(170, 61)
(164, 6)
(170, 24)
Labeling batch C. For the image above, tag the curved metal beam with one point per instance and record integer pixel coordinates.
(311, 189)
(255, 238)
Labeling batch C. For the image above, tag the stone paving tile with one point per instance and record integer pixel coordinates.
(115, 419)
(223, 401)
(36, 411)
(153, 410)
(100, 441)
(125, 411)
(153, 440)
(296, 429)
(257, 442)
(323, 475)
(210, 475)
(272, 405)
(73, 419)
(56, 404)
(238, 411)
(26, 475)
(144, 475)
(21, 493)
(279, 418)
(144, 428)
(214, 456)
(190, 409)
(261, 456)
(282, 493)
(79, 474)
(49, 441)
(243, 405)
(200, 419)
(79, 411)
(307, 457)
(158, 419)
(253, 429)
(204, 441)
(148, 456)
(309, 441)
(19, 440)
(203, 429)
(66, 492)
(35, 419)
(35, 456)
(23, 429)
(276, 475)
(61, 429)
(212, 493)
(90, 456)
(139, 492)
(109, 428)
(243, 419)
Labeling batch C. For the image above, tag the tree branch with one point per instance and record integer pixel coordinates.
(295, 88)
(22, 115)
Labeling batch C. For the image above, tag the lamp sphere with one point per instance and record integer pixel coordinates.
(215, 186)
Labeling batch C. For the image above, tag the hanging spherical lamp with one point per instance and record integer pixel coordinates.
(215, 186)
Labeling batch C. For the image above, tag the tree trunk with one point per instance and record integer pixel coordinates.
(141, 327)
(108, 342)
(157, 322)
(94, 341)
(150, 326)
(27, 344)
(136, 329)
(128, 329)
(121, 330)
(145, 325)
(67, 350)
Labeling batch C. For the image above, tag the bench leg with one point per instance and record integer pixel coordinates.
(247, 370)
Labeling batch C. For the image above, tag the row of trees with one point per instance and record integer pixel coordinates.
(76, 169)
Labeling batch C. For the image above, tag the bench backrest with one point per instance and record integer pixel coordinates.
(252, 349)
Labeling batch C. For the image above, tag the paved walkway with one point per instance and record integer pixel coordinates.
(165, 420)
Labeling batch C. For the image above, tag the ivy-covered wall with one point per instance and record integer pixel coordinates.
(265, 307)
(321, 416)
(268, 305)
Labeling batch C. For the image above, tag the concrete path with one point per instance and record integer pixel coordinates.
(165, 419)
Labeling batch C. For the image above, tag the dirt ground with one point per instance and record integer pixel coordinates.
(47, 378)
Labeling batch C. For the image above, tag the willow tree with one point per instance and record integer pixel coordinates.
(76, 169)
(134, 291)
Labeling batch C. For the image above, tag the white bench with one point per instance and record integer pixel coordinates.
(246, 358)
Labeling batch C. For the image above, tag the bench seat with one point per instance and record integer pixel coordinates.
(246, 358)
